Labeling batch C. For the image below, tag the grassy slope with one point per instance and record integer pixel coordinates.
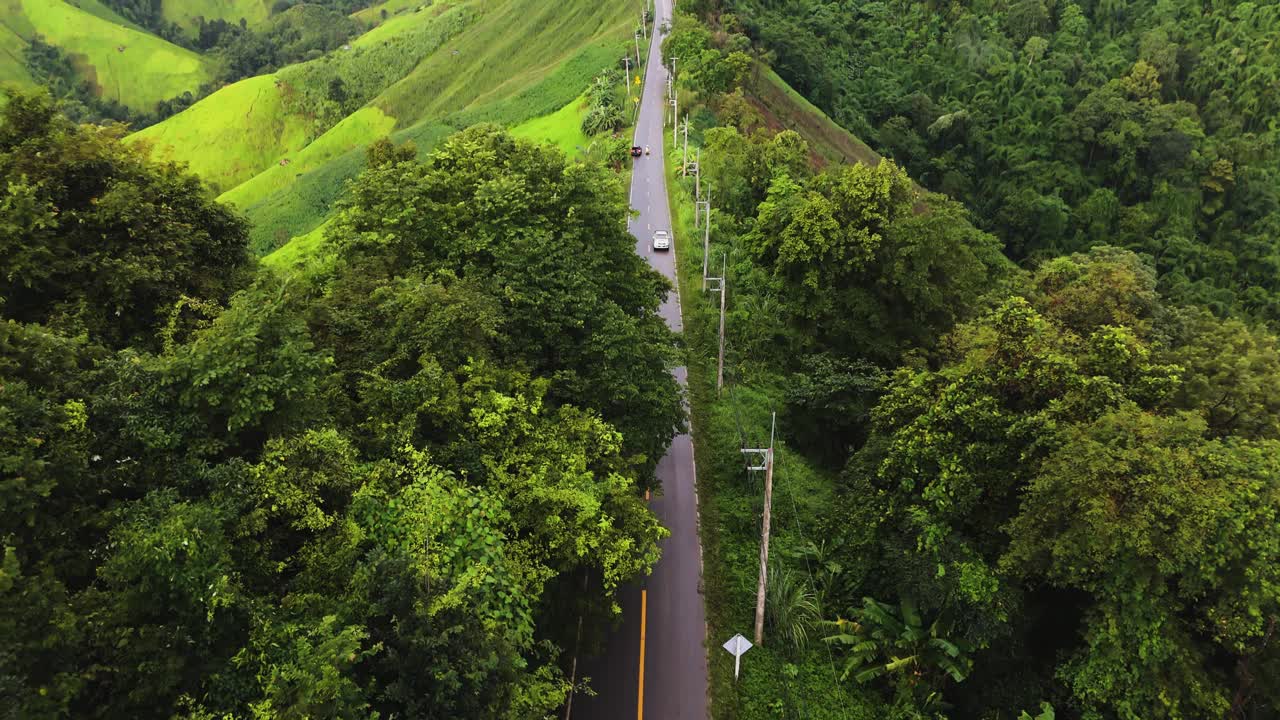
(562, 128)
(14, 31)
(497, 76)
(230, 136)
(360, 127)
(783, 107)
(185, 12)
(146, 71)
(244, 129)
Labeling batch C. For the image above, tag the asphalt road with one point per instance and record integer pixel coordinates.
(663, 619)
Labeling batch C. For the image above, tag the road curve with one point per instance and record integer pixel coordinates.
(663, 619)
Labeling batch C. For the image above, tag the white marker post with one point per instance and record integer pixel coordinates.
(736, 646)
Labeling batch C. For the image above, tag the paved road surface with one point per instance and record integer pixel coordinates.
(669, 604)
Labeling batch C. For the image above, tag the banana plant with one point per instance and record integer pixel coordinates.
(882, 641)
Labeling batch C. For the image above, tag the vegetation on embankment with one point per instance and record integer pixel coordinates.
(974, 423)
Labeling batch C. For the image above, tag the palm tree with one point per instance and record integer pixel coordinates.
(887, 642)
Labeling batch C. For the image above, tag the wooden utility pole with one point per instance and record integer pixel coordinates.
(767, 454)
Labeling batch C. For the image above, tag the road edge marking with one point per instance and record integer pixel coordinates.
(644, 616)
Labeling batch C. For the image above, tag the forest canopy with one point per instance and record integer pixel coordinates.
(391, 487)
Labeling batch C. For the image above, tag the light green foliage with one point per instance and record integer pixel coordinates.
(562, 128)
(231, 135)
(884, 642)
(128, 65)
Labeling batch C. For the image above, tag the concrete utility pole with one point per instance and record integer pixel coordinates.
(767, 455)
(684, 161)
(706, 237)
(724, 291)
(637, 37)
(697, 178)
(626, 61)
(675, 102)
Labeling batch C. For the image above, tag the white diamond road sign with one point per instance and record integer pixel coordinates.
(737, 645)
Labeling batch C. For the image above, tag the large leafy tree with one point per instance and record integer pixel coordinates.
(1081, 457)
(389, 489)
(546, 239)
(99, 239)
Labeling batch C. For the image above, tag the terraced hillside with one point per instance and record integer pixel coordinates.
(281, 147)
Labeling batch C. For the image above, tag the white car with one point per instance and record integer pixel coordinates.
(662, 240)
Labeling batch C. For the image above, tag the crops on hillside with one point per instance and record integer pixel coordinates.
(332, 87)
(231, 135)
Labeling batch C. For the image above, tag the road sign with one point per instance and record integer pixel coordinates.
(737, 645)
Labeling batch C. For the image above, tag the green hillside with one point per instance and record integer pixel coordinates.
(231, 135)
(185, 12)
(282, 148)
(128, 65)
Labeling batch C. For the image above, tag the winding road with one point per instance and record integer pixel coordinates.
(655, 663)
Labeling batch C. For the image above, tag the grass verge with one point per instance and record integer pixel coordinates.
(778, 680)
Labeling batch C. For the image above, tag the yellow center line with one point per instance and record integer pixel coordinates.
(644, 612)
(644, 619)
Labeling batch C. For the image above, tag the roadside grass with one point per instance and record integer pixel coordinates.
(562, 128)
(231, 135)
(132, 67)
(777, 680)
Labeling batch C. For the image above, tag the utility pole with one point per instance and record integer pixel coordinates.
(697, 181)
(626, 61)
(767, 455)
(675, 102)
(637, 37)
(724, 290)
(706, 237)
(684, 161)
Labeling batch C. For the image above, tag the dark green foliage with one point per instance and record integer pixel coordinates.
(1062, 126)
(97, 238)
(580, 305)
(360, 494)
(1068, 463)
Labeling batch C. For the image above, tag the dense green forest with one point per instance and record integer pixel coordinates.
(1030, 423)
(1064, 125)
(387, 487)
